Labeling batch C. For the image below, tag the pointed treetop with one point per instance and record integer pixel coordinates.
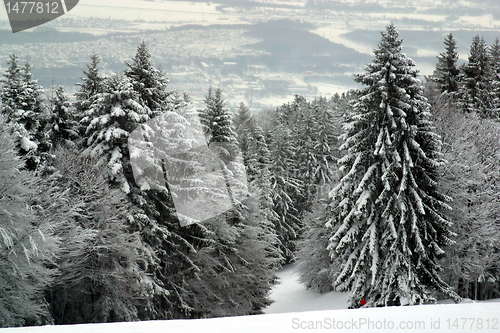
(389, 42)
(92, 83)
(495, 56)
(389, 69)
(148, 81)
(478, 55)
(14, 69)
(446, 73)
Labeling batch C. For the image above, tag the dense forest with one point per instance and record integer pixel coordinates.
(129, 204)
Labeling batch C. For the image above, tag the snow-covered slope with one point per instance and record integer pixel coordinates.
(471, 317)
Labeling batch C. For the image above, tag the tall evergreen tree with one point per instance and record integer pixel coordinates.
(148, 81)
(475, 93)
(242, 118)
(33, 100)
(305, 159)
(243, 124)
(91, 85)
(315, 140)
(228, 249)
(221, 139)
(495, 57)
(216, 119)
(62, 127)
(112, 116)
(495, 78)
(174, 243)
(257, 160)
(386, 216)
(22, 103)
(446, 73)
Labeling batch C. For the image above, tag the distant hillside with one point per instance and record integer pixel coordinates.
(296, 49)
(424, 39)
(44, 35)
(289, 46)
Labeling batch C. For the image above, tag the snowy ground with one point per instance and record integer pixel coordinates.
(291, 296)
(306, 310)
(472, 317)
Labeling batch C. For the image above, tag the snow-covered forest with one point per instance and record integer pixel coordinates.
(388, 192)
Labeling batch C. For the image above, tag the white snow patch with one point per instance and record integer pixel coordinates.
(27, 144)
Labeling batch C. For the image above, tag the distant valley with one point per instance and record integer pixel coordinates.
(261, 53)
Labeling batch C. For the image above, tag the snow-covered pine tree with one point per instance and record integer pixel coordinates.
(242, 118)
(386, 216)
(257, 160)
(158, 221)
(23, 275)
(244, 249)
(62, 127)
(91, 85)
(243, 123)
(216, 119)
(229, 260)
(32, 100)
(313, 258)
(40, 116)
(112, 116)
(221, 139)
(148, 81)
(495, 57)
(12, 95)
(495, 78)
(475, 91)
(22, 104)
(159, 225)
(447, 73)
